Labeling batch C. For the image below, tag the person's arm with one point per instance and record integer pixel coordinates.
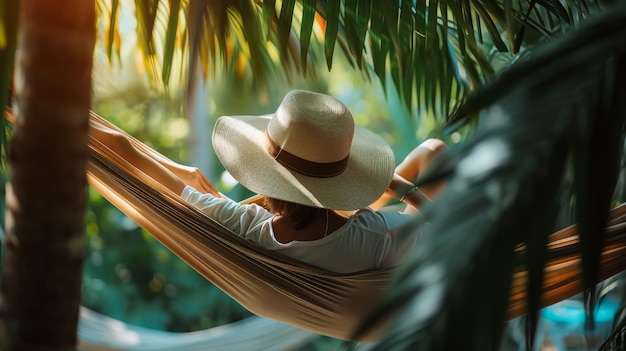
(188, 174)
(121, 145)
(405, 191)
(418, 161)
(402, 187)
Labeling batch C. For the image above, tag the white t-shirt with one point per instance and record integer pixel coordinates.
(368, 240)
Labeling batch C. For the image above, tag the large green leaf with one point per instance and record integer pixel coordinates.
(562, 103)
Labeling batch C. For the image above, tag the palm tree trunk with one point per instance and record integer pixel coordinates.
(46, 198)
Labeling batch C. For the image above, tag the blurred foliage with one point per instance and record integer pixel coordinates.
(8, 43)
(130, 276)
(551, 136)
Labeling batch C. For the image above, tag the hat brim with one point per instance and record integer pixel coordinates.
(239, 142)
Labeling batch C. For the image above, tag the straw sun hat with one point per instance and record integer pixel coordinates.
(308, 152)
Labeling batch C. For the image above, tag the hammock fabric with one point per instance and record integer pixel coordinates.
(101, 333)
(283, 289)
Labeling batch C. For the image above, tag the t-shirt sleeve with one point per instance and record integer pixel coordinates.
(402, 237)
(248, 221)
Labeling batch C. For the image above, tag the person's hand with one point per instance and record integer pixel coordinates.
(398, 187)
(193, 177)
(405, 191)
(402, 190)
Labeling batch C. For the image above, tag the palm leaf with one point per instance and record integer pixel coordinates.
(308, 19)
(170, 39)
(504, 190)
(332, 27)
(351, 31)
(435, 52)
(146, 13)
(111, 40)
(284, 24)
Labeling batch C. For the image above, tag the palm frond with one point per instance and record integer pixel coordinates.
(504, 190)
(237, 36)
(435, 52)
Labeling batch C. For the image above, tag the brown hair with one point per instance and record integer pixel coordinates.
(298, 215)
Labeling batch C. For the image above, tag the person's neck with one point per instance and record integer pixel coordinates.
(324, 222)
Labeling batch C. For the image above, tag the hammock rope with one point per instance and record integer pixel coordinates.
(283, 289)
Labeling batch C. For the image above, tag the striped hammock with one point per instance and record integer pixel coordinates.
(283, 289)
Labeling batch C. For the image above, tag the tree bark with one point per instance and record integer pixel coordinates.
(46, 198)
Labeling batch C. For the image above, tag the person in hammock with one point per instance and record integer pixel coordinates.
(312, 164)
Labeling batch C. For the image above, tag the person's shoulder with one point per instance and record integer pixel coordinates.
(368, 211)
(388, 219)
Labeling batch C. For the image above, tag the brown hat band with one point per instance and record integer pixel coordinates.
(302, 166)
